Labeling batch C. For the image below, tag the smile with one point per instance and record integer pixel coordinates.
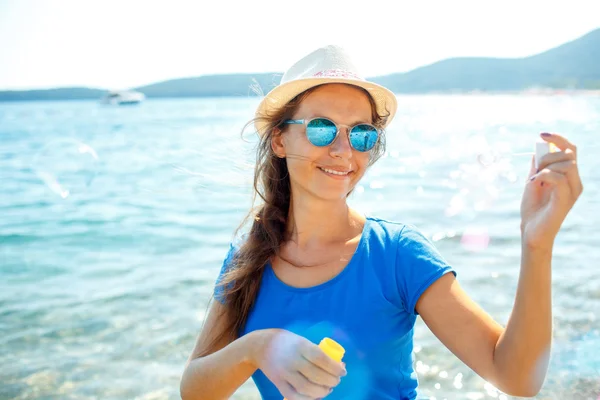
(333, 173)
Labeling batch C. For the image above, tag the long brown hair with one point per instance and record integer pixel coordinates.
(241, 282)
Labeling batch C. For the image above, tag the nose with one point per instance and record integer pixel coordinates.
(341, 148)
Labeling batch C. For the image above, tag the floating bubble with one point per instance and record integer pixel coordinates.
(66, 166)
(174, 171)
(487, 159)
(489, 154)
(478, 187)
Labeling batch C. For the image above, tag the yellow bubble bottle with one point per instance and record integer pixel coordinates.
(333, 349)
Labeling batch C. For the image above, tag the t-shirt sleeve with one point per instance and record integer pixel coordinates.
(418, 265)
(219, 290)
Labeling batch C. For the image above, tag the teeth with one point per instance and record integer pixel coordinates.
(334, 172)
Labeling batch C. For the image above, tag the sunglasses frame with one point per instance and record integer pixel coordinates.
(305, 122)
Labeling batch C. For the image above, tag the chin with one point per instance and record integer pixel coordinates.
(334, 194)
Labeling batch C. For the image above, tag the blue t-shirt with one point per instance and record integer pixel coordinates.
(369, 308)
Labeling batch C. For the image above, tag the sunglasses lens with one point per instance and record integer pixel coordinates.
(321, 132)
(363, 137)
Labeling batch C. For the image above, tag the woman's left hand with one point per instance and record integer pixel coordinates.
(550, 193)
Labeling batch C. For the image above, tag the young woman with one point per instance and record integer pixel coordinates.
(311, 266)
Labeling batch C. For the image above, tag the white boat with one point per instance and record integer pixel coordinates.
(123, 97)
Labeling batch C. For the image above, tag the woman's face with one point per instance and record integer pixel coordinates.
(307, 163)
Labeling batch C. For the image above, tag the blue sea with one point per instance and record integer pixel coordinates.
(114, 222)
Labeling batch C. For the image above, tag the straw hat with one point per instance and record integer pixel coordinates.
(329, 64)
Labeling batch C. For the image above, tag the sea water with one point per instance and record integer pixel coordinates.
(114, 222)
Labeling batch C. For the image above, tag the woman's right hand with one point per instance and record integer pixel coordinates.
(296, 366)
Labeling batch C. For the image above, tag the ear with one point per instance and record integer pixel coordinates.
(277, 143)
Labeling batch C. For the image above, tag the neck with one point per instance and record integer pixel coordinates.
(320, 222)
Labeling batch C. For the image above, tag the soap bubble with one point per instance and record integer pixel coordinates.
(193, 161)
(66, 166)
(193, 170)
(477, 190)
(479, 181)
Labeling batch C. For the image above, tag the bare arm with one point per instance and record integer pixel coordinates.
(463, 327)
(297, 367)
(515, 358)
(218, 375)
(527, 338)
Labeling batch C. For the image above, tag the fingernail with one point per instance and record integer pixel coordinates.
(546, 134)
(532, 178)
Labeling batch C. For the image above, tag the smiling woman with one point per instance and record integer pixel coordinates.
(318, 152)
(311, 266)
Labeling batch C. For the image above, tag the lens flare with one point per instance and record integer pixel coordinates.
(475, 239)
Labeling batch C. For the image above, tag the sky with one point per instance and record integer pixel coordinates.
(118, 44)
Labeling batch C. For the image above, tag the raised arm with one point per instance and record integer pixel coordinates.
(515, 359)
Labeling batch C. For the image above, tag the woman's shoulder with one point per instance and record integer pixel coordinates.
(395, 228)
(399, 234)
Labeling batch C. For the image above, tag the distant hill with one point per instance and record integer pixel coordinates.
(573, 65)
(213, 85)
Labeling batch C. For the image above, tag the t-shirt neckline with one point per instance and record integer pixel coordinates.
(351, 264)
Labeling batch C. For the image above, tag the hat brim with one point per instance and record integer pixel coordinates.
(385, 99)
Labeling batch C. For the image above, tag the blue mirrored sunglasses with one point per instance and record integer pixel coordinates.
(322, 132)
